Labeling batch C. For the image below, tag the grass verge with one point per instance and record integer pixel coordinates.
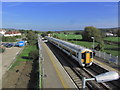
(24, 55)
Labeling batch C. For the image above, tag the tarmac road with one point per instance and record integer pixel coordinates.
(7, 57)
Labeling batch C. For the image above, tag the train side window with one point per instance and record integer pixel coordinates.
(77, 55)
(90, 54)
(83, 55)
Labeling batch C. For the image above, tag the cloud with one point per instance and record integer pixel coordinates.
(113, 6)
(48, 4)
(14, 4)
(0, 8)
(0, 11)
(60, 0)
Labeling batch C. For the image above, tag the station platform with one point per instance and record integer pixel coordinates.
(54, 74)
(107, 66)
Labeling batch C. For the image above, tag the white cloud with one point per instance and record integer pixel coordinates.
(60, 0)
(0, 8)
(113, 6)
(14, 4)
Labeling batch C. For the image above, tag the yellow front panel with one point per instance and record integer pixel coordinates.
(91, 59)
(82, 60)
(87, 57)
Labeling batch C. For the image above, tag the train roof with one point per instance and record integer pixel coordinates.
(71, 45)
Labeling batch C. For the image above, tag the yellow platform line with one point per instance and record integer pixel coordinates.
(58, 73)
(106, 66)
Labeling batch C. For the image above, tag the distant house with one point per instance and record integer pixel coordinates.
(115, 35)
(12, 33)
(2, 31)
(49, 35)
(109, 34)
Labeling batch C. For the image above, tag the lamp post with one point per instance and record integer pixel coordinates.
(66, 37)
(93, 45)
(104, 77)
(76, 40)
(93, 42)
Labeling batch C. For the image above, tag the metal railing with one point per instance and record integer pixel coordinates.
(106, 56)
(40, 64)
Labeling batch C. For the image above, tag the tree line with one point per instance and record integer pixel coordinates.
(87, 35)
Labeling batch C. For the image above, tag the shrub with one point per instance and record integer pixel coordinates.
(2, 50)
(34, 54)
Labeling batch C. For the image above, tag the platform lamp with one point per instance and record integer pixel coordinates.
(104, 77)
(93, 45)
(76, 40)
(66, 37)
(93, 41)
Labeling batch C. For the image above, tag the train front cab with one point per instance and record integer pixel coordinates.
(87, 58)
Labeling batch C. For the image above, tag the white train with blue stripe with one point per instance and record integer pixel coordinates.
(82, 55)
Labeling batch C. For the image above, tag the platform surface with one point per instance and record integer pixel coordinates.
(54, 74)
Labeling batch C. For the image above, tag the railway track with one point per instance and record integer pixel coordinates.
(113, 84)
(76, 73)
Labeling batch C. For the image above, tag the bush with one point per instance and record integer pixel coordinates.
(2, 50)
(31, 38)
(43, 34)
(91, 31)
(34, 54)
(9, 39)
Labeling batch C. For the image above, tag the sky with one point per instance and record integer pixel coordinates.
(55, 16)
(60, 0)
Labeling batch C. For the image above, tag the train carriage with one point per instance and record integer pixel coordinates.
(82, 55)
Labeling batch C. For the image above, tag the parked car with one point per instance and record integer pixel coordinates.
(12, 44)
(3, 44)
(16, 45)
(9, 45)
(6, 44)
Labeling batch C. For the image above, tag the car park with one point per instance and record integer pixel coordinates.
(3, 44)
(12, 44)
(16, 45)
(8, 44)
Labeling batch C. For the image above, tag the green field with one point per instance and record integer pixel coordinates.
(113, 49)
(68, 36)
(113, 39)
(24, 54)
(115, 53)
(73, 36)
(89, 44)
(84, 43)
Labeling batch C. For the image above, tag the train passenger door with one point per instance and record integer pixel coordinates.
(83, 58)
(87, 57)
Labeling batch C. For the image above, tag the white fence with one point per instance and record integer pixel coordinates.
(106, 56)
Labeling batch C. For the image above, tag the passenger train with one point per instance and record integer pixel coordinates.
(82, 55)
